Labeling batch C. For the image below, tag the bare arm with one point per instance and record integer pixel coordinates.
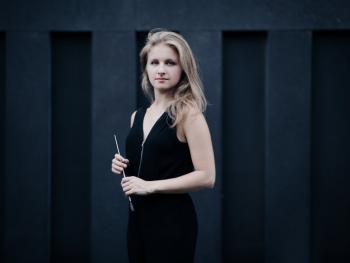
(198, 138)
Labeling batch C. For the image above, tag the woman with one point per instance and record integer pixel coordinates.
(168, 154)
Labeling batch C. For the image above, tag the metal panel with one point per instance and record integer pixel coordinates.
(242, 15)
(2, 140)
(265, 206)
(243, 146)
(114, 100)
(287, 214)
(71, 146)
(142, 100)
(67, 15)
(181, 14)
(331, 147)
(27, 146)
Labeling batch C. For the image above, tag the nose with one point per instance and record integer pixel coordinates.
(161, 70)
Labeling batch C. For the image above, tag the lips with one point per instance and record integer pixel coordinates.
(161, 79)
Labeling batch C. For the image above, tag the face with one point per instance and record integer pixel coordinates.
(163, 67)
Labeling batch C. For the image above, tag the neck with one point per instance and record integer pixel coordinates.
(161, 100)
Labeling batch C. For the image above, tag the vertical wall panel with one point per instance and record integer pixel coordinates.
(208, 202)
(71, 146)
(114, 100)
(27, 137)
(141, 98)
(2, 140)
(243, 146)
(287, 214)
(285, 151)
(331, 147)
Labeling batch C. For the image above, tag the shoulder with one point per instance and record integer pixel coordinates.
(191, 114)
(193, 119)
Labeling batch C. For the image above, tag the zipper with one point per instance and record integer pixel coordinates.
(138, 172)
(143, 142)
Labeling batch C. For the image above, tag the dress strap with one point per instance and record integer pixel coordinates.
(138, 117)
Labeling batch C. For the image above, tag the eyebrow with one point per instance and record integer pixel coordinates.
(167, 59)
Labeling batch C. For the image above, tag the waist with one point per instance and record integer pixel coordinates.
(161, 201)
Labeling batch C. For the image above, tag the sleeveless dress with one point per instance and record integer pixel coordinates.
(163, 227)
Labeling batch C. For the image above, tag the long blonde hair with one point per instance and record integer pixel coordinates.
(188, 93)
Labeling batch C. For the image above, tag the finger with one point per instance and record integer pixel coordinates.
(115, 160)
(118, 157)
(126, 185)
(122, 159)
(130, 192)
(119, 163)
(115, 171)
(127, 188)
(126, 179)
(118, 168)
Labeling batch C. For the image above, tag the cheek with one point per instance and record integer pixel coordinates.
(150, 77)
(148, 71)
(178, 74)
(149, 74)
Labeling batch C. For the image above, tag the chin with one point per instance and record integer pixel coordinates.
(162, 88)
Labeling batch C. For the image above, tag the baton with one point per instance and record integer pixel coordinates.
(130, 202)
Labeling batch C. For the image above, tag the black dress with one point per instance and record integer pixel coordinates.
(163, 227)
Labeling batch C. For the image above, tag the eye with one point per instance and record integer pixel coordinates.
(170, 62)
(154, 62)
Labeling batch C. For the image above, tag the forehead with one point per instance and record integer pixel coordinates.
(162, 51)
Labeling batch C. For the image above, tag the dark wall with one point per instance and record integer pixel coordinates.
(71, 147)
(2, 138)
(276, 76)
(331, 146)
(243, 106)
(27, 147)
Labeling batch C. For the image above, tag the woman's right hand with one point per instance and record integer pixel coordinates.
(119, 164)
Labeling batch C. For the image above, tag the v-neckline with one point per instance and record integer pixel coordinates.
(152, 128)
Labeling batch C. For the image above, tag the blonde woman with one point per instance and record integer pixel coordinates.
(169, 153)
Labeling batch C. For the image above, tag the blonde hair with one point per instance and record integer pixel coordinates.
(188, 93)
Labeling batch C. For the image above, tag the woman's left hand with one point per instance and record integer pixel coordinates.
(134, 185)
